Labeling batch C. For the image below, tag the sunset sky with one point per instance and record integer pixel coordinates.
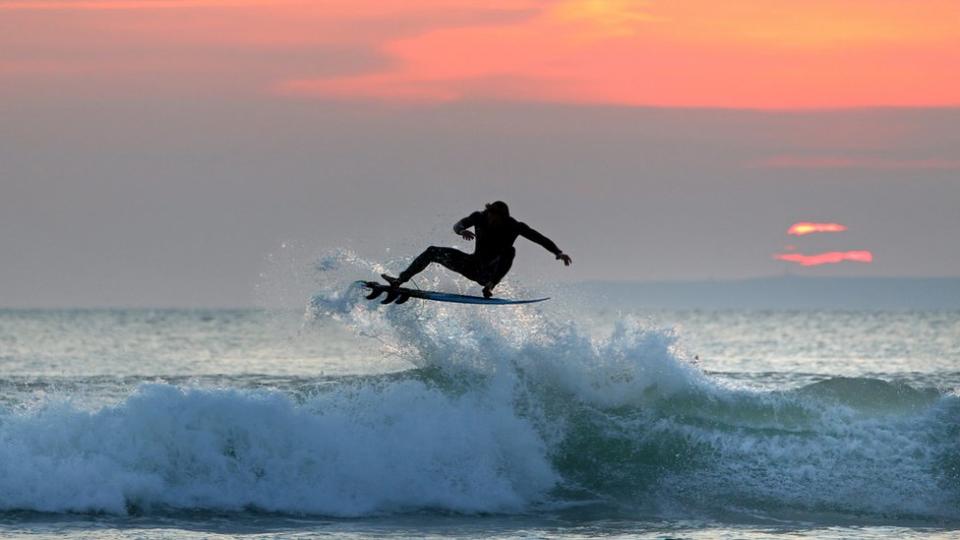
(158, 151)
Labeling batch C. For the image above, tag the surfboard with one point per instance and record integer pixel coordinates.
(399, 295)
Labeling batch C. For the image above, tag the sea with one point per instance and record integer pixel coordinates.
(345, 418)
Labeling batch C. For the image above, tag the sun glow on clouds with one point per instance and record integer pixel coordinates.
(755, 54)
(605, 18)
(829, 257)
(746, 54)
(804, 227)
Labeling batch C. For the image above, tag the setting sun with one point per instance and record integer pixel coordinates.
(803, 228)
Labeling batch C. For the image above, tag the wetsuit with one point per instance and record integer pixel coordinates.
(493, 256)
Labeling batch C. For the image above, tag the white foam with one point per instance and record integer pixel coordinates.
(354, 451)
(623, 368)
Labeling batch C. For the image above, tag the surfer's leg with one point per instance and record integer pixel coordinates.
(496, 270)
(454, 259)
(502, 266)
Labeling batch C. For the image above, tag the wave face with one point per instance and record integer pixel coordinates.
(506, 411)
(355, 451)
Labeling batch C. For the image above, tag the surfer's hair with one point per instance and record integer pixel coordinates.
(499, 208)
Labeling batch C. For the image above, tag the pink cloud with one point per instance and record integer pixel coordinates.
(844, 162)
(99, 5)
(829, 257)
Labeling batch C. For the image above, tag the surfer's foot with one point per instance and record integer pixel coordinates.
(487, 293)
(393, 281)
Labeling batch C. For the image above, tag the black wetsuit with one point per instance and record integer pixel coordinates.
(493, 256)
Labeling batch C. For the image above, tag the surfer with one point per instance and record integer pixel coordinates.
(495, 232)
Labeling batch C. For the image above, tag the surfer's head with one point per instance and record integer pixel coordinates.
(498, 208)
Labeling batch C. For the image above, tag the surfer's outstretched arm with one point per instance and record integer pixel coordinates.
(530, 234)
(461, 226)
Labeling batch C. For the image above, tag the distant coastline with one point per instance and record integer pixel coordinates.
(778, 293)
(784, 292)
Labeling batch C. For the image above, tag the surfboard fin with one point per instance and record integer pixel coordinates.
(392, 294)
(374, 292)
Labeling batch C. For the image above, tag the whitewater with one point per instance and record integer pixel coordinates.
(348, 418)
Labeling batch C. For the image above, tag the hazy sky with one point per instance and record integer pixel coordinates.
(155, 152)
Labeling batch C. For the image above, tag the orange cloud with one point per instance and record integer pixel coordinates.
(830, 257)
(805, 227)
(763, 54)
(756, 54)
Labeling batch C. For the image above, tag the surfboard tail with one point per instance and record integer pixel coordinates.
(392, 294)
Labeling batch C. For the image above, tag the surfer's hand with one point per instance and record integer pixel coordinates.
(467, 235)
(565, 258)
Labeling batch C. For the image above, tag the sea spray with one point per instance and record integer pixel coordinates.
(630, 421)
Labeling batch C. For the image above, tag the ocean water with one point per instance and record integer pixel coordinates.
(349, 419)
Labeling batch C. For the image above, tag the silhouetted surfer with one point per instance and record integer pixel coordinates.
(496, 232)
